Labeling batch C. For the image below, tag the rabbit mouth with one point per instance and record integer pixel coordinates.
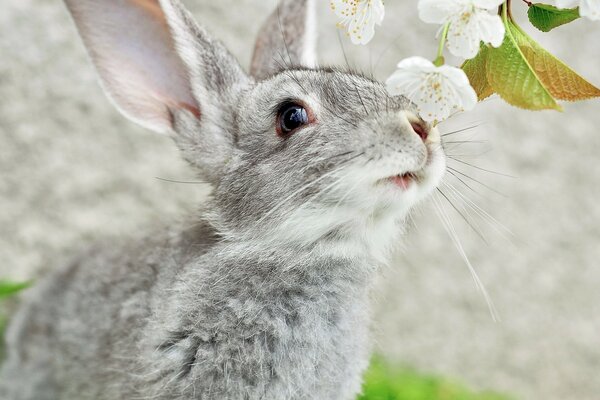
(403, 181)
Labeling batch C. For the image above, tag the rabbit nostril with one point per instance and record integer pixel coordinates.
(420, 130)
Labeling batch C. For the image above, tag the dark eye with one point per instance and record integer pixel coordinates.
(291, 117)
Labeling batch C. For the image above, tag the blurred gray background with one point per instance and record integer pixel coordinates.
(73, 170)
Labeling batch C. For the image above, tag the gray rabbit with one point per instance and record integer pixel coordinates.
(264, 293)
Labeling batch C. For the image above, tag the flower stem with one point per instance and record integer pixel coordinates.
(439, 61)
(505, 12)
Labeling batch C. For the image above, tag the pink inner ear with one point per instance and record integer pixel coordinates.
(193, 109)
(152, 8)
(131, 45)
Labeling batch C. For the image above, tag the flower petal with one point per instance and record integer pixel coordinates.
(567, 3)
(469, 27)
(437, 11)
(378, 11)
(342, 8)
(437, 92)
(464, 35)
(590, 9)
(491, 29)
(417, 63)
(358, 17)
(487, 4)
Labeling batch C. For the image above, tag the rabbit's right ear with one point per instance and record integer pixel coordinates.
(164, 72)
(286, 39)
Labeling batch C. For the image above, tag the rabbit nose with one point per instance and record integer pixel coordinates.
(418, 126)
(420, 129)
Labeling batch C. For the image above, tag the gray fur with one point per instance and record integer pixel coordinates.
(263, 294)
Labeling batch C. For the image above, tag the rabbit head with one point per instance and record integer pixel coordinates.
(295, 153)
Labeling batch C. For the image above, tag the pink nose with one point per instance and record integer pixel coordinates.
(420, 129)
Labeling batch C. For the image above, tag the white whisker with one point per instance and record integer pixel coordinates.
(496, 225)
(291, 196)
(454, 237)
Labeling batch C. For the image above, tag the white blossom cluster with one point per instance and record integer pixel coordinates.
(440, 90)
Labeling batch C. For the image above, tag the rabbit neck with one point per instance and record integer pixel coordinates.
(364, 238)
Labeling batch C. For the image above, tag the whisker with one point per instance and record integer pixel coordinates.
(496, 225)
(388, 48)
(465, 141)
(337, 155)
(464, 183)
(454, 237)
(360, 98)
(474, 155)
(372, 76)
(322, 192)
(482, 169)
(475, 180)
(306, 186)
(343, 50)
(345, 55)
(358, 182)
(186, 182)
(484, 214)
(461, 130)
(285, 45)
(471, 225)
(281, 65)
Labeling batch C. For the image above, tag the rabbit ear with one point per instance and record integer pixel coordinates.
(288, 37)
(153, 60)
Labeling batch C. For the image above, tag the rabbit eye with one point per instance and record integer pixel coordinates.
(291, 116)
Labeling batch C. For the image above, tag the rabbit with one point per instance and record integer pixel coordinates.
(264, 292)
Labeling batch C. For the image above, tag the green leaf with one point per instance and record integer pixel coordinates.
(561, 81)
(513, 78)
(8, 289)
(524, 74)
(546, 17)
(476, 70)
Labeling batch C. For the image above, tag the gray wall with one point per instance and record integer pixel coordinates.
(72, 170)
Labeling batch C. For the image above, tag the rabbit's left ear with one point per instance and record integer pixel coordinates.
(287, 39)
(166, 73)
(154, 61)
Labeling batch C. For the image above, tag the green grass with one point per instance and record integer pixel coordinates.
(385, 382)
(382, 381)
(7, 290)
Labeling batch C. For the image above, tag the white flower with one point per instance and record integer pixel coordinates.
(587, 8)
(470, 23)
(358, 17)
(437, 92)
